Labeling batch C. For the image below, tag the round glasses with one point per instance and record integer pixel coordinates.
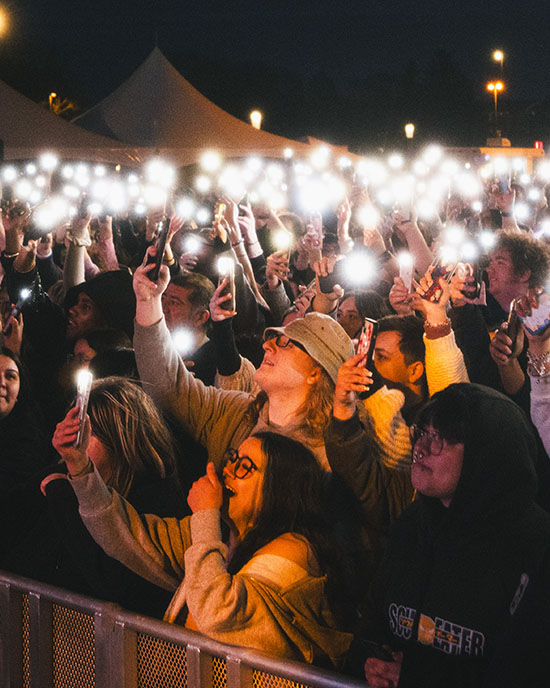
(282, 341)
(433, 442)
(242, 466)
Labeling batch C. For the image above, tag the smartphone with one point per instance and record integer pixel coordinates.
(226, 270)
(83, 388)
(160, 246)
(367, 340)
(433, 292)
(503, 186)
(337, 276)
(406, 267)
(514, 323)
(15, 310)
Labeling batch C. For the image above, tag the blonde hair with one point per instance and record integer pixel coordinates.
(126, 421)
(315, 411)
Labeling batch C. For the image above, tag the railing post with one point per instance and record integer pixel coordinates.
(40, 641)
(106, 650)
(199, 667)
(239, 675)
(123, 657)
(11, 641)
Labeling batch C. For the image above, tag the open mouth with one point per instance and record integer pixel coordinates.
(229, 491)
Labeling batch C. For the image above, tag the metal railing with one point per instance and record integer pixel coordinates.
(52, 637)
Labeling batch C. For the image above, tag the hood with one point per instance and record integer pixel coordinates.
(112, 292)
(498, 478)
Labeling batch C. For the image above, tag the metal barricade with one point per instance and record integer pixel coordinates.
(54, 638)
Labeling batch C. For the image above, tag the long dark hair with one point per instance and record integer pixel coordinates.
(299, 497)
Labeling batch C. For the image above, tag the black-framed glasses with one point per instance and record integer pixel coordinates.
(243, 466)
(283, 340)
(434, 443)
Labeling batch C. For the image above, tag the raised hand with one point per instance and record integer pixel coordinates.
(206, 492)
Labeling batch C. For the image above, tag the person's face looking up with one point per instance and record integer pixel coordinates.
(503, 278)
(84, 317)
(9, 385)
(285, 366)
(437, 464)
(243, 477)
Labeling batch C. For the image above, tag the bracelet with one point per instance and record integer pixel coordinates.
(538, 365)
(436, 330)
(76, 241)
(10, 255)
(88, 468)
(237, 243)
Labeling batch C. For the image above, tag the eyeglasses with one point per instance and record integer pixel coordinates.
(282, 341)
(434, 443)
(243, 466)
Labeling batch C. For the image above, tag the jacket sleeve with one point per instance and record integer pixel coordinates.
(151, 546)
(444, 363)
(209, 415)
(384, 407)
(382, 492)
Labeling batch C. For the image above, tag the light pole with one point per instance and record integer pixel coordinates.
(51, 98)
(256, 119)
(3, 22)
(498, 56)
(495, 87)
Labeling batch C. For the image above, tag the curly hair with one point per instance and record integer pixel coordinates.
(526, 253)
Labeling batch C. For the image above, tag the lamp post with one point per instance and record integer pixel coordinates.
(51, 98)
(498, 56)
(495, 87)
(256, 119)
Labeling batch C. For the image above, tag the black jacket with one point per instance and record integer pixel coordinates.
(464, 591)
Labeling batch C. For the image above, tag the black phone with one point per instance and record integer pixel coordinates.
(160, 246)
(514, 323)
(337, 276)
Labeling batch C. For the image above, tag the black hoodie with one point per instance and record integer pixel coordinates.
(464, 591)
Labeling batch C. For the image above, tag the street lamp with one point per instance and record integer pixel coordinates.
(498, 56)
(495, 87)
(51, 98)
(409, 130)
(256, 119)
(3, 21)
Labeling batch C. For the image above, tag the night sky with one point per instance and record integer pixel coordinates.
(294, 59)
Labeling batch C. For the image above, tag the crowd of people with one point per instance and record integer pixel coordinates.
(335, 451)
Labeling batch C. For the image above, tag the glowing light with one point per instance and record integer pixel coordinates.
(361, 268)
(9, 174)
(184, 341)
(160, 173)
(30, 169)
(522, 211)
(454, 235)
(468, 185)
(519, 164)
(154, 196)
(203, 216)
(100, 171)
(501, 166)
(368, 216)
(203, 183)
(487, 239)
(67, 171)
(409, 130)
(344, 162)
(426, 209)
(543, 170)
(320, 157)
(498, 56)
(282, 239)
(477, 206)
(140, 208)
(395, 161)
(185, 207)
(210, 161)
(71, 191)
(191, 244)
(405, 259)
(534, 194)
(288, 153)
(469, 251)
(95, 209)
(226, 266)
(254, 163)
(432, 155)
(448, 254)
(48, 161)
(256, 119)
(23, 189)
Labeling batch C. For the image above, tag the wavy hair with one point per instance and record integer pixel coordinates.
(124, 418)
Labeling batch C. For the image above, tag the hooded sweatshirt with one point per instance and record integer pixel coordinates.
(464, 591)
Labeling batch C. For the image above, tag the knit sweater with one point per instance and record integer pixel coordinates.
(272, 604)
